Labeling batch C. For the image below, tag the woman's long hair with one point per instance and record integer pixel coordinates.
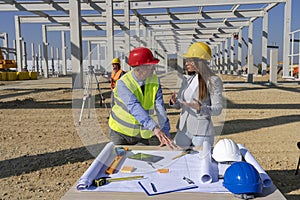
(202, 87)
(204, 72)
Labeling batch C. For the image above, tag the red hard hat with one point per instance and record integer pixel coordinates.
(141, 56)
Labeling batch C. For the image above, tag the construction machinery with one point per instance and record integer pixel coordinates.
(6, 64)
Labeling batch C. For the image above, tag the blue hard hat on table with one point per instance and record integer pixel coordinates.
(242, 178)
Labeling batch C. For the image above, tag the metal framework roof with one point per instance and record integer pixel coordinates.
(205, 20)
(172, 24)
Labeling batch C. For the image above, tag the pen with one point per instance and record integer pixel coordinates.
(188, 180)
(153, 187)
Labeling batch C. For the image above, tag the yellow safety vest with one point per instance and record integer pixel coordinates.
(121, 120)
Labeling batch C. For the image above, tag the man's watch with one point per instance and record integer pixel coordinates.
(156, 127)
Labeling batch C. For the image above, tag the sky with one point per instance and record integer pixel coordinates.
(32, 32)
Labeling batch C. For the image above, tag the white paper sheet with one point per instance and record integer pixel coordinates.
(267, 181)
(87, 178)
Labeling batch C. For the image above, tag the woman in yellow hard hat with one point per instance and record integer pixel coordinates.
(200, 97)
(116, 74)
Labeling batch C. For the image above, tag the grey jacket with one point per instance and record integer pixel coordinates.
(198, 122)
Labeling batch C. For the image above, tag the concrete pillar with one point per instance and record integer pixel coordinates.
(264, 44)
(40, 60)
(37, 63)
(218, 58)
(150, 38)
(226, 56)
(273, 66)
(5, 44)
(89, 51)
(63, 53)
(33, 56)
(52, 60)
(45, 52)
(221, 55)
(127, 33)
(232, 54)
(286, 38)
(76, 44)
(18, 43)
(250, 73)
(240, 53)
(145, 38)
(24, 50)
(213, 58)
(137, 31)
(109, 53)
(14, 46)
(99, 56)
(250, 49)
(57, 62)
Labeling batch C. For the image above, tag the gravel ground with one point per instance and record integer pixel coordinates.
(43, 152)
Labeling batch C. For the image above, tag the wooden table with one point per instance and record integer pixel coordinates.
(73, 194)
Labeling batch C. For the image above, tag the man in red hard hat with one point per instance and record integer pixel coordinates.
(137, 95)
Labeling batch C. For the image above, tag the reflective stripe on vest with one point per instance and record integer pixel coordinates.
(121, 120)
(150, 112)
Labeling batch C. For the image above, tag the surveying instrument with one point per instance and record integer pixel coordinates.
(87, 95)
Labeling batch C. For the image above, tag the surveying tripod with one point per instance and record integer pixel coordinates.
(88, 92)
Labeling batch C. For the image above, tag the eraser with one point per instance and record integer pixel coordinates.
(127, 169)
(163, 170)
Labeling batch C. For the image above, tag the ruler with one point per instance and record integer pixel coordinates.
(120, 153)
(114, 164)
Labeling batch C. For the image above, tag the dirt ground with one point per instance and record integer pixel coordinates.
(42, 154)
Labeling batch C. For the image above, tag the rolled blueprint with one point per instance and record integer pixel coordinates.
(206, 166)
(91, 173)
(267, 181)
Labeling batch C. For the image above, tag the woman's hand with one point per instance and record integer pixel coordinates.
(195, 104)
(173, 98)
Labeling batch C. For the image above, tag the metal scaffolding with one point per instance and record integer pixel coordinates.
(167, 27)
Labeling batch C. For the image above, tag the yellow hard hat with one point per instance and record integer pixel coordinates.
(199, 50)
(115, 61)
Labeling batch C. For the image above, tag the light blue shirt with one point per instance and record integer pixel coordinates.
(135, 108)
